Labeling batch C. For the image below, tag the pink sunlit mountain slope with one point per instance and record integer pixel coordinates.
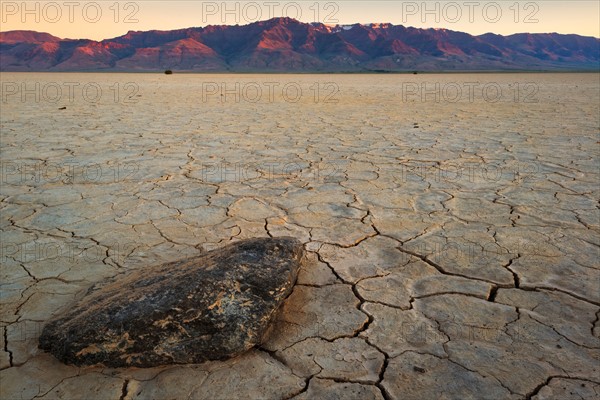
(286, 45)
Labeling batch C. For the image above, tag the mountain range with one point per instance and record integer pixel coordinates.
(287, 45)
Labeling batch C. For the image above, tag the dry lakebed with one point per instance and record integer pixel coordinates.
(451, 243)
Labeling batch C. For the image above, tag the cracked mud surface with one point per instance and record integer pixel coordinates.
(458, 259)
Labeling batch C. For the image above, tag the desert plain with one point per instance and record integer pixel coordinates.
(451, 224)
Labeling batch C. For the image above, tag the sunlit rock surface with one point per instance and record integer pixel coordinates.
(207, 308)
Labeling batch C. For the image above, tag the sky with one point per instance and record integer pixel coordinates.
(103, 19)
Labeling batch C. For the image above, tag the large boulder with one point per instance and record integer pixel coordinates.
(211, 307)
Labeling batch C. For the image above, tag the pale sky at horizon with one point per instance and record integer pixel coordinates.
(108, 18)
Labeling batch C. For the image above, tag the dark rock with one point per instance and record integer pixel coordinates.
(212, 307)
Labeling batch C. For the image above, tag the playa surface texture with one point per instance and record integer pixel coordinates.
(452, 245)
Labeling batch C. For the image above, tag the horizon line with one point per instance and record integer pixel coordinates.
(303, 23)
